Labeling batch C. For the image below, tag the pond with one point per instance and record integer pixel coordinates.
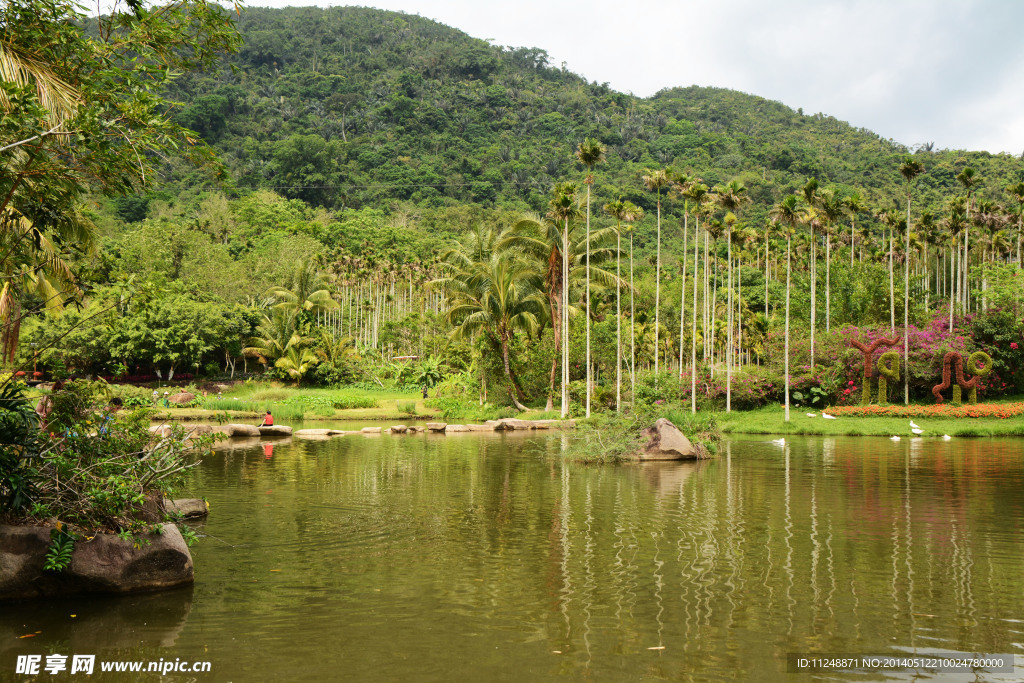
(483, 557)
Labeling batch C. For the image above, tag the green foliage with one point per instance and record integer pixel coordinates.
(888, 369)
(58, 555)
(98, 467)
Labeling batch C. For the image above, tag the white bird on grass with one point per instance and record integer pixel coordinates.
(914, 426)
(811, 415)
(828, 417)
(894, 438)
(779, 442)
(917, 431)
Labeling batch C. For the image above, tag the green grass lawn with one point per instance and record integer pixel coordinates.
(250, 400)
(771, 420)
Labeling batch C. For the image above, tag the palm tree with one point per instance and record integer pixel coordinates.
(731, 197)
(682, 182)
(955, 222)
(628, 212)
(809, 192)
(655, 181)
(926, 231)
(491, 292)
(305, 290)
(35, 262)
(590, 153)
(697, 192)
(787, 212)
(1016, 191)
(853, 203)
(891, 219)
(969, 180)
(296, 360)
(831, 207)
(909, 169)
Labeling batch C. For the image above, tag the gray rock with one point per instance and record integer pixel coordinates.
(513, 423)
(275, 430)
(370, 430)
(414, 429)
(314, 433)
(105, 564)
(183, 397)
(188, 508)
(436, 426)
(242, 430)
(399, 429)
(480, 428)
(666, 442)
(456, 428)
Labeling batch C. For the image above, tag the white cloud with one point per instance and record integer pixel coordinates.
(944, 71)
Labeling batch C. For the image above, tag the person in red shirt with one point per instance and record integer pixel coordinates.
(268, 420)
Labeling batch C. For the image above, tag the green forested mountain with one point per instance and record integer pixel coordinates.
(374, 157)
(351, 107)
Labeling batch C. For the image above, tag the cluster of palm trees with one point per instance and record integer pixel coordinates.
(547, 270)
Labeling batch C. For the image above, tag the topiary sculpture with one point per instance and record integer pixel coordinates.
(868, 351)
(979, 365)
(888, 368)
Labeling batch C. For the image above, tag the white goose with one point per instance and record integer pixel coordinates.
(828, 417)
(894, 438)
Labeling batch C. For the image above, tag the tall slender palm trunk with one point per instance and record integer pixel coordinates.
(892, 289)
(788, 284)
(632, 329)
(682, 293)
(814, 288)
(693, 330)
(728, 319)
(657, 292)
(828, 282)
(565, 320)
(906, 310)
(586, 316)
(618, 323)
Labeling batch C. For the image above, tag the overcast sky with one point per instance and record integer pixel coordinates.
(944, 71)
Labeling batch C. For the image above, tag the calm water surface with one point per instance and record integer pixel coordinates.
(482, 557)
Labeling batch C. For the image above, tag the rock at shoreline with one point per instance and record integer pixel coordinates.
(436, 426)
(371, 430)
(399, 429)
(480, 428)
(106, 564)
(183, 397)
(188, 508)
(666, 442)
(456, 428)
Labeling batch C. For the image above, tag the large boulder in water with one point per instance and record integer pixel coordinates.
(275, 430)
(666, 442)
(242, 430)
(105, 564)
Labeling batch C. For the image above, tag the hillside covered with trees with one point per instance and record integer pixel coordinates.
(383, 172)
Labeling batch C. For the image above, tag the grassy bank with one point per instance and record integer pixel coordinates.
(771, 420)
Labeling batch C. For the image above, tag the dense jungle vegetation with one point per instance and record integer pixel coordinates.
(402, 203)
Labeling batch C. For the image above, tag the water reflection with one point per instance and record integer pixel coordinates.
(486, 558)
(93, 624)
